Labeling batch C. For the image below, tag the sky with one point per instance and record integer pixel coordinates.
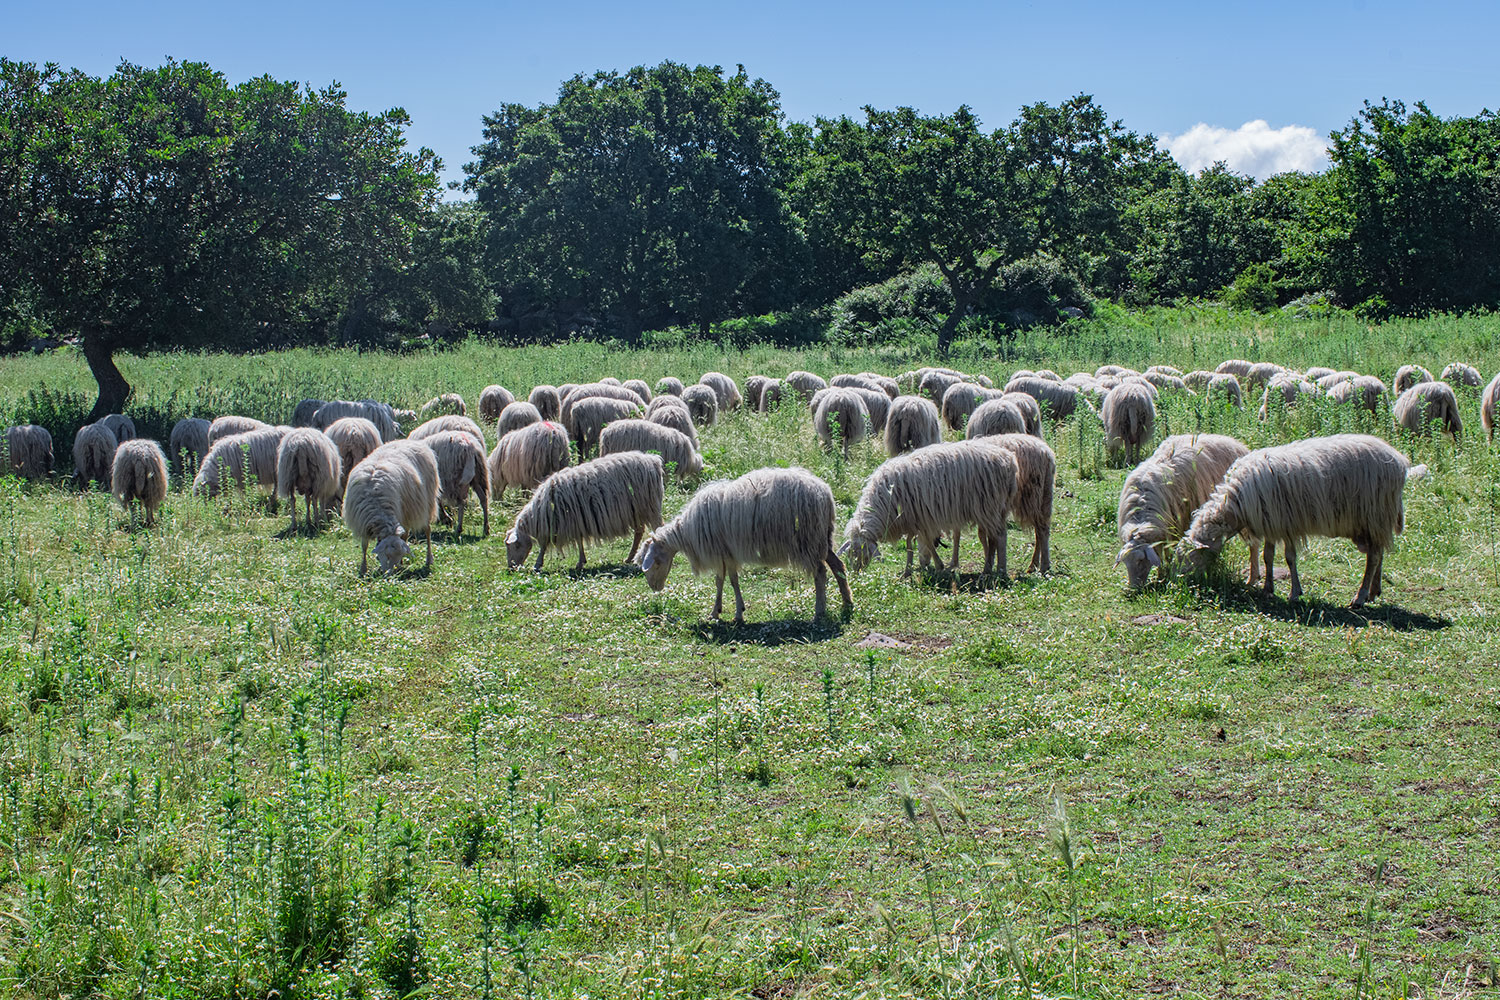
(1258, 85)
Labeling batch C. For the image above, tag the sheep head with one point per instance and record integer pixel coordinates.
(517, 548)
(656, 562)
(859, 553)
(392, 550)
(1139, 558)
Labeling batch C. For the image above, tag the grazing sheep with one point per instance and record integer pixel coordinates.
(1460, 374)
(1057, 400)
(1487, 408)
(121, 426)
(841, 412)
(996, 416)
(1047, 374)
(805, 384)
(639, 387)
(676, 417)
(305, 411)
(1366, 390)
(449, 422)
(768, 517)
(1129, 420)
(240, 457)
(308, 465)
(403, 419)
(961, 400)
(1198, 380)
(771, 395)
(1326, 382)
(188, 443)
(1290, 389)
(461, 469)
(595, 390)
(723, 387)
(526, 457)
(877, 404)
(931, 492)
(390, 495)
(702, 403)
(1426, 403)
(675, 448)
(356, 440)
(590, 416)
(848, 381)
(1341, 486)
(1163, 381)
(668, 402)
(379, 414)
(754, 386)
(1317, 372)
(515, 416)
(93, 454)
(1408, 376)
(1109, 370)
(935, 383)
(606, 498)
(1166, 370)
(493, 399)
(565, 390)
(1030, 409)
(912, 423)
(1239, 369)
(611, 380)
(447, 403)
(547, 401)
(1036, 468)
(29, 451)
(1225, 389)
(1154, 392)
(669, 386)
(885, 382)
(228, 426)
(1161, 495)
(139, 475)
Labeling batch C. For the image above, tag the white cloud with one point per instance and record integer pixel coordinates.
(1255, 148)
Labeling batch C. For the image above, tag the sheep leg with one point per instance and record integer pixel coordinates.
(718, 597)
(739, 599)
(1001, 543)
(1270, 585)
(1363, 594)
(458, 531)
(820, 592)
(837, 565)
(429, 547)
(579, 567)
(1254, 547)
(484, 505)
(1291, 564)
(640, 530)
(1379, 572)
(907, 573)
(540, 556)
(364, 556)
(953, 565)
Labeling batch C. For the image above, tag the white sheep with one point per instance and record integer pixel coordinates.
(639, 387)
(447, 403)
(702, 403)
(1129, 420)
(1365, 390)
(139, 475)
(1425, 404)
(1408, 376)
(1161, 495)
(606, 498)
(931, 492)
(754, 386)
(517, 415)
(462, 469)
(493, 399)
(1030, 409)
(1286, 391)
(449, 422)
(526, 457)
(1238, 368)
(1317, 372)
(379, 414)
(1197, 380)
(805, 384)
(771, 395)
(188, 443)
(547, 401)
(1332, 379)
(390, 495)
(676, 417)
(1341, 486)
(595, 390)
(356, 439)
(240, 457)
(1036, 470)
(29, 451)
(93, 454)
(724, 388)
(305, 411)
(962, 399)
(1259, 374)
(228, 426)
(841, 413)
(877, 405)
(996, 416)
(935, 382)
(912, 423)
(669, 386)
(1460, 374)
(1487, 408)
(591, 415)
(1224, 389)
(121, 426)
(675, 448)
(1166, 370)
(768, 517)
(308, 465)
(885, 382)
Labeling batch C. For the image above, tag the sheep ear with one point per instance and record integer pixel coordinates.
(648, 558)
(1121, 556)
(400, 531)
(513, 537)
(1152, 557)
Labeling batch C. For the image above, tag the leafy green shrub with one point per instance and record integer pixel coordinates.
(1254, 289)
(868, 314)
(1034, 291)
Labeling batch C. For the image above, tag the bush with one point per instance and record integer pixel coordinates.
(888, 310)
(1254, 289)
(1035, 291)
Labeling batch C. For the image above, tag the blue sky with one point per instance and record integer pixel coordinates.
(1300, 69)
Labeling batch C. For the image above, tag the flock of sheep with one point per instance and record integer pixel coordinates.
(595, 458)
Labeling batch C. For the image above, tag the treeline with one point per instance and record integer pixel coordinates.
(166, 207)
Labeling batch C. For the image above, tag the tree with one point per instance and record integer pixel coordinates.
(165, 208)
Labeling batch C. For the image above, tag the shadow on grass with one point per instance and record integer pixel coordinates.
(1318, 613)
(770, 634)
(945, 582)
(608, 571)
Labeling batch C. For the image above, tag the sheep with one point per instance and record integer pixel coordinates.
(848, 381)
(1487, 408)
(1459, 374)
(493, 399)
(305, 411)
(1166, 370)
(228, 426)
(805, 384)
(1316, 372)
(1426, 403)
(703, 403)
(842, 412)
(768, 517)
(29, 451)
(252, 454)
(771, 395)
(639, 387)
(885, 382)
(1225, 389)
(1129, 420)
(121, 426)
(390, 495)
(402, 418)
(308, 464)
(1341, 486)
(931, 492)
(1198, 380)
(94, 454)
(447, 403)
(877, 404)
(1161, 495)
(592, 414)
(1030, 409)
(356, 439)
(675, 448)
(1408, 376)
(996, 416)
(1057, 400)
(1237, 368)
(515, 416)
(611, 380)
(1036, 469)
(188, 443)
(1327, 382)
(462, 468)
(139, 475)
(1163, 381)
(961, 400)
(669, 386)
(1366, 390)
(675, 417)
(723, 387)
(934, 384)
(611, 496)
(912, 423)
(668, 402)
(565, 390)
(526, 457)
(595, 390)
(379, 414)
(1290, 389)
(547, 402)
(754, 386)
(449, 422)
(1048, 375)
(1108, 370)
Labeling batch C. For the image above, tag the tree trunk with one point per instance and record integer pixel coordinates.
(960, 309)
(114, 391)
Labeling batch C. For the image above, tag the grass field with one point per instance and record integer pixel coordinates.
(230, 766)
